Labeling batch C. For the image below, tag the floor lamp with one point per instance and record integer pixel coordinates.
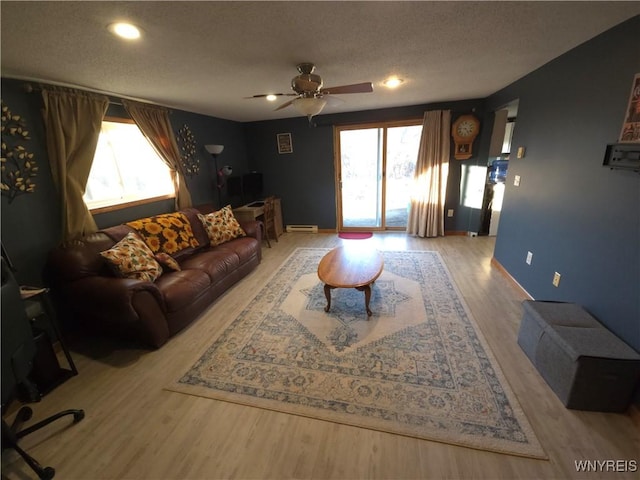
(221, 173)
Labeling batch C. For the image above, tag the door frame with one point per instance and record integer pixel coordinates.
(338, 169)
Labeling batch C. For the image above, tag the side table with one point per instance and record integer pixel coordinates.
(47, 371)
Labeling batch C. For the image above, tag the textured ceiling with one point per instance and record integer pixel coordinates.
(206, 57)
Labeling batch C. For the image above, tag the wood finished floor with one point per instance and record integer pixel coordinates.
(136, 430)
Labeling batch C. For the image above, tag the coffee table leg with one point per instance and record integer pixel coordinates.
(367, 297)
(327, 293)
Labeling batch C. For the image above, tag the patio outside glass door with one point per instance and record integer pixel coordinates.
(375, 168)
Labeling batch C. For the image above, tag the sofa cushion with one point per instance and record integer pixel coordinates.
(221, 226)
(216, 263)
(180, 289)
(245, 248)
(132, 258)
(169, 233)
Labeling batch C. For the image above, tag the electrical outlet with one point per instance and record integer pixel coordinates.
(516, 180)
(529, 258)
(450, 212)
(556, 279)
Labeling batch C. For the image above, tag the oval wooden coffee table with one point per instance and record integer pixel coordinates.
(350, 267)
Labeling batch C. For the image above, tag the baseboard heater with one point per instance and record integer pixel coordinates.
(302, 228)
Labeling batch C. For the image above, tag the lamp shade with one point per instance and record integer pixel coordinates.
(214, 149)
(309, 106)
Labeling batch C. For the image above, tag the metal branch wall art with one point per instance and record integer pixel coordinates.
(18, 166)
(187, 144)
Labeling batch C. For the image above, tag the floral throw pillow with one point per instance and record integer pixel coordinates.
(169, 233)
(132, 258)
(167, 262)
(221, 226)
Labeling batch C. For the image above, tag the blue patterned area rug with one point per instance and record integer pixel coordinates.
(418, 367)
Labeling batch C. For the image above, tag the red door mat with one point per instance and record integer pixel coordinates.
(355, 235)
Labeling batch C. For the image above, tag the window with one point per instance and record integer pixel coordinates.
(126, 169)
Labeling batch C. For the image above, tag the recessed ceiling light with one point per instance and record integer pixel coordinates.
(125, 30)
(392, 82)
(272, 97)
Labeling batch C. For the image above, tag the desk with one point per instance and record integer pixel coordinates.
(248, 213)
(254, 210)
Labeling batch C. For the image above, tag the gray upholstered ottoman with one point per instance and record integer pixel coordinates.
(586, 365)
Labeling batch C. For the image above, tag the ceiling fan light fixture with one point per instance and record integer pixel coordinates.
(309, 106)
(271, 97)
(128, 31)
(393, 82)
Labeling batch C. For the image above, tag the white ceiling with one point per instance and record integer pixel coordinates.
(206, 56)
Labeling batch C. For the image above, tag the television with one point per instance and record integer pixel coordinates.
(234, 186)
(252, 185)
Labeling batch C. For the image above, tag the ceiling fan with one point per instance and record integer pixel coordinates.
(310, 95)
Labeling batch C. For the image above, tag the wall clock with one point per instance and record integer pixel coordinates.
(464, 131)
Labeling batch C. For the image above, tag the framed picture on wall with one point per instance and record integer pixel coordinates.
(284, 143)
(631, 126)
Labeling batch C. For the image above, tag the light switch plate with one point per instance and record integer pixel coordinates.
(516, 180)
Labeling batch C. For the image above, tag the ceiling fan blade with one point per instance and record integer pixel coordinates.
(284, 105)
(366, 87)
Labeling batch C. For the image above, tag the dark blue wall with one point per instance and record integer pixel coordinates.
(305, 179)
(211, 130)
(577, 217)
(31, 223)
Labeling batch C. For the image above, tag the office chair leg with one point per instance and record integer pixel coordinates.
(11, 435)
(24, 414)
(44, 473)
(10, 440)
(77, 416)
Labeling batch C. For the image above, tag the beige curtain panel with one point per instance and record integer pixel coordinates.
(154, 123)
(72, 121)
(426, 211)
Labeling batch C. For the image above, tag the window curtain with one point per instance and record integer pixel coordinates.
(72, 121)
(426, 211)
(154, 123)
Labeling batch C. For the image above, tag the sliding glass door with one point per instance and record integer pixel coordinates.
(361, 174)
(375, 165)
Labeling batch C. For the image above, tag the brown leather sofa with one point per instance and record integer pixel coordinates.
(89, 295)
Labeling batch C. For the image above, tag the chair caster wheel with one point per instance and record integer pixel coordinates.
(47, 473)
(24, 414)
